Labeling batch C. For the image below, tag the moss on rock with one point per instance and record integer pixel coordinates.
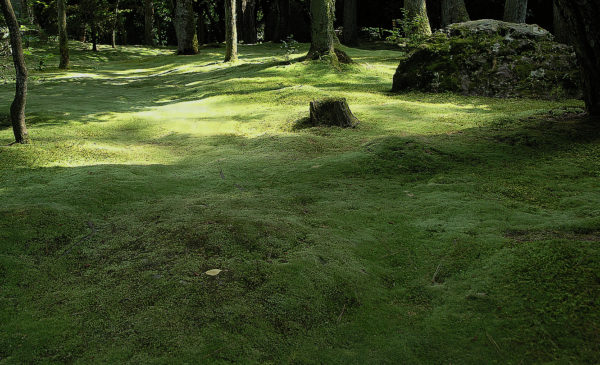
(491, 58)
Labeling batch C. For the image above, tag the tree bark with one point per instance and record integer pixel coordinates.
(247, 21)
(322, 43)
(277, 21)
(350, 34)
(185, 28)
(94, 36)
(63, 40)
(454, 11)
(149, 22)
(581, 18)
(113, 42)
(418, 8)
(17, 108)
(560, 27)
(201, 30)
(515, 11)
(231, 54)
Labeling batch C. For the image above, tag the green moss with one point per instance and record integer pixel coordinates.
(392, 242)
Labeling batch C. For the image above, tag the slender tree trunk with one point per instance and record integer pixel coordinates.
(350, 35)
(418, 8)
(581, 18)
(454, 11)
(149, 22)
(247, 22)
(113, 42)
(185, 28)
(231, 54)
(94, 37)
(201, 27)
(284, 20)
(63, 40)
(17, 108)
(515, 11)
(272, 18)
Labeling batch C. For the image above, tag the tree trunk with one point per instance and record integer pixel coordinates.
(185, 28)
(284, 20)
(231, 31)
(560, 27)
(94, 37)
(247, 21)
(418, 8)
(454, 11)
(63, 40)
(113, 42)
(350, 34)
(149, 22)
(515, 11)
(322, 45)
(581, 18)
(17, 108)
(201, 31)
(277, 21)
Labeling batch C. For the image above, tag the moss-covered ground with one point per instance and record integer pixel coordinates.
(443, 230)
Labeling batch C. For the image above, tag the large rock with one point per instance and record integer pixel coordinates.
(491, 58)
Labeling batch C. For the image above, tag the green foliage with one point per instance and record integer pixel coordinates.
(289, 46)
(408, 239)
(408, 29)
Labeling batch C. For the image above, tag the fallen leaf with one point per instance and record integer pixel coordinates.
(213, 272)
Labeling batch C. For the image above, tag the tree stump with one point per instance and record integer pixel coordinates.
(332, 112)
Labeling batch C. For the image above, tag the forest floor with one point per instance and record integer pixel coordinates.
(444, 229)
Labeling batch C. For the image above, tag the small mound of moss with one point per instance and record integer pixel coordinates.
(492, 58)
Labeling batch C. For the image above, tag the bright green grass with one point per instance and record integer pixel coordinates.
(445, 229)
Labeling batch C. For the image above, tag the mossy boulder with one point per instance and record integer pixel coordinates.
(491, 58)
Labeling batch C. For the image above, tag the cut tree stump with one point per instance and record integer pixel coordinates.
(333, 112)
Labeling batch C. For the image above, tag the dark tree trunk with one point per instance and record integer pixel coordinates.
(220, 29)
(149, 22)
(247, 21)
(201, 28)
(17, 108)
(94, 37)
(284, 20)
(271, 11)
(277, 21)
(454, 11)
(560, 27)
(63, 40)
(231, 31)
(82, 32)
(113, 42)
(418, 8)
(185, 28)
(515, 11)
(350, 35)
(581, 18)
